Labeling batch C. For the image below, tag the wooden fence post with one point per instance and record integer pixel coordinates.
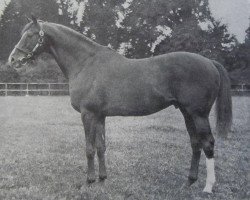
(27, 89)
(6, 89)
(49, 89)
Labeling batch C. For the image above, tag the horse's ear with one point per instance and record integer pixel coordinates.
(34, 19)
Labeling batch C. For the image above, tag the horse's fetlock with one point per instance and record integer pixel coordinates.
(208, 147)
(212, 141)
(192, 179)
(209, 153)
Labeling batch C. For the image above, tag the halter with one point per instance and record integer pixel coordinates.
(28, 53)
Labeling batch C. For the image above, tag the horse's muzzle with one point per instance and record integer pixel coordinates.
(17, 64)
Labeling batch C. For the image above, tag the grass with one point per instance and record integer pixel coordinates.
(42, 154)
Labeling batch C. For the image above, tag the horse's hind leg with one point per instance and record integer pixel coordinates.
(207, 140)
(196, 147)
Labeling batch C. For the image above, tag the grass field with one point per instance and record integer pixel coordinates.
(42, 154)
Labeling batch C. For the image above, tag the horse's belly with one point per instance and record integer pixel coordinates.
(136, 107)
(133, 112)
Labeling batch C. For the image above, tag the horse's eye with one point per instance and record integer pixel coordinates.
(29, 34)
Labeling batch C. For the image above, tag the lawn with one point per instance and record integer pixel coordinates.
(42, 154)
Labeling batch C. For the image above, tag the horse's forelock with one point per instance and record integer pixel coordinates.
(27, 26)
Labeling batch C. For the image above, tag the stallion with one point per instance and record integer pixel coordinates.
(103, 83)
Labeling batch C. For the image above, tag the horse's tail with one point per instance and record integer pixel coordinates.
(223, 103)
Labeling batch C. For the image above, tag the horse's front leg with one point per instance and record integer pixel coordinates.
(88, 120)
(101, 147)
(94, 127)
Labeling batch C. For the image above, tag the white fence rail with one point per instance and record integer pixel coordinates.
(26, 89)
(52, 89)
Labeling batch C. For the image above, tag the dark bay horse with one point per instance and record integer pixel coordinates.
(104, 83)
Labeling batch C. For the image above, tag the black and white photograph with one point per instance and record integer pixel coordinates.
(124, 99)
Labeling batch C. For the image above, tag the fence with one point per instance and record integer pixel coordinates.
(241, 89)
(52, 89)
(35, 89)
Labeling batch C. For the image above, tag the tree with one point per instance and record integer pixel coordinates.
(239, 61)
(10, 26)
(42, 70)
(8, 74)
(218, 42)
(159, 26)
(99, 21)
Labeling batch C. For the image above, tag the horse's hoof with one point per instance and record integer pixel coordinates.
(102, 178)
(207, 191)
(191, 181)
(90, 180)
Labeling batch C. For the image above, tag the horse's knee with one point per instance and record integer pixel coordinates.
(90, 152)
(100, 149)
(100, 145)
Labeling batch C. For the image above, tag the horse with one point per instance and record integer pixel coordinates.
(104, 83)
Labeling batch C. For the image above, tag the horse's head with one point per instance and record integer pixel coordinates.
(33, 42)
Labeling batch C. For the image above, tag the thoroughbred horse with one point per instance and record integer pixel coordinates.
(103, 83)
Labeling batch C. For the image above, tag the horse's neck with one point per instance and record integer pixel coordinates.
(70, 49)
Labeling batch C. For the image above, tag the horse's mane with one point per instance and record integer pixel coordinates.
(72, 32)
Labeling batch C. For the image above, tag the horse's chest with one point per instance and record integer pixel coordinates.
(85, 95)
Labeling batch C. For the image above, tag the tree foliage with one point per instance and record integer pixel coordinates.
(136, 28)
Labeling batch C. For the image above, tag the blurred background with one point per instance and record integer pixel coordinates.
(216, 29)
